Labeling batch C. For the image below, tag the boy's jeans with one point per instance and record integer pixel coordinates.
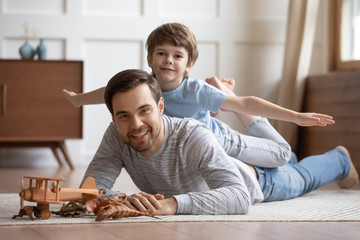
(295, 179)
(262, 147)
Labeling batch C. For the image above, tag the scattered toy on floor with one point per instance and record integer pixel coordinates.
(44, 196)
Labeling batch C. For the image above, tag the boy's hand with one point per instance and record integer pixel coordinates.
(313, 119)
(71, 96)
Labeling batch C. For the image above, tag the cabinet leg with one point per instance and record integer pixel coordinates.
(56, 154)
(54, 145)
(66, 154)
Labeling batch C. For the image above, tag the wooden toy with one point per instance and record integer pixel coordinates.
(39, 192)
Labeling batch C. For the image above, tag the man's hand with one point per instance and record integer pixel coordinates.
(168, 207)
(156, 204)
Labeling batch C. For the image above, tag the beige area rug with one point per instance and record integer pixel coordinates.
(318, 206)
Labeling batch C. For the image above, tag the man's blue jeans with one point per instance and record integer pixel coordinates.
(295, 179)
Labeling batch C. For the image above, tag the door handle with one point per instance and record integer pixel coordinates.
(4, 102)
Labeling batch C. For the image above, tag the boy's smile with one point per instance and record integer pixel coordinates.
(170, 65)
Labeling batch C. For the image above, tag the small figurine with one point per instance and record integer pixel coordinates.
(71, 209)
(43, 195)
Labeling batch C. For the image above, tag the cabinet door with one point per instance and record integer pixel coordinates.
(33, 107)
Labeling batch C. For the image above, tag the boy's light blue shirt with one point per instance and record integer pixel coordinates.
(196, 99)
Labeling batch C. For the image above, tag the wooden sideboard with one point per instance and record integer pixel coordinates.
(336, 94)
(33, 110)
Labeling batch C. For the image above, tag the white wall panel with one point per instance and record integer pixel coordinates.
(257, 69)
(34, 6)
(104, 58)
(256, 9)
(207, 63)
(188, 8)
(112, 7)
(252, 62)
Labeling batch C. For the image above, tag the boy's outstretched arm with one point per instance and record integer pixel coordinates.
(257, 106)
(80, 99)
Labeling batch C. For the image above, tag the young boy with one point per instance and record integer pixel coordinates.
(172, 52)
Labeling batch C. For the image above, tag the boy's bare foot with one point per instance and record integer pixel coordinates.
(229, 83)
(353, 178)
(226, 85)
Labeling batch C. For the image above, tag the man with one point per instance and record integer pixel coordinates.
(180, 166)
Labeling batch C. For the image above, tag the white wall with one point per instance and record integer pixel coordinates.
(242, 39)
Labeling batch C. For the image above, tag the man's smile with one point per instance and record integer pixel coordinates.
(140, 135)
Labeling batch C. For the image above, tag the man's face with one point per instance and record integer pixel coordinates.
(170, 65)
(138, 119)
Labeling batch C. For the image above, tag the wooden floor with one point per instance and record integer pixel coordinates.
(10, 183)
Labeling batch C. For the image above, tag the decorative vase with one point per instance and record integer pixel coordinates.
(41, 50)
(26, 51)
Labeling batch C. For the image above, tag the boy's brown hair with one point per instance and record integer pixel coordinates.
(176, 34)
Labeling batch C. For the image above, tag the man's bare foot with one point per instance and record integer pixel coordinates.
(353, 178)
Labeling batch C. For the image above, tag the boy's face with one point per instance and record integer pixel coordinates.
(170, 65)
(138, 119)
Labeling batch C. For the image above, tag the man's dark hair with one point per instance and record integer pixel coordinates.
(127, 80)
